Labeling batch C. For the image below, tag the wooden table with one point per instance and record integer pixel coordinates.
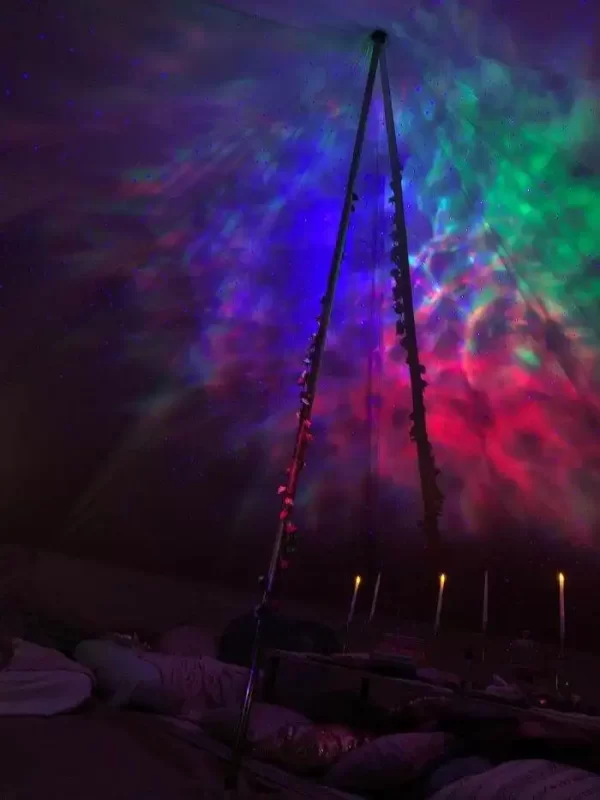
(293, 678)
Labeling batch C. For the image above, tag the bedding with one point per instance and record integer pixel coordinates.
(453, 770)
(160, 681)
(525, 780)
(161, 758)
(389, 762)
(41, 681)
(93, 757)
(203, 683)
(126, 756)
(257, 775)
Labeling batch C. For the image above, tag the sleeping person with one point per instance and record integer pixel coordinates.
(129, 672)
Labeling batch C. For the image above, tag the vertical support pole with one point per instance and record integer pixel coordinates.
(406, 328)
(309, 382)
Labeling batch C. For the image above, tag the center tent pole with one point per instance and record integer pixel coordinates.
(406, 329)
(284, 536)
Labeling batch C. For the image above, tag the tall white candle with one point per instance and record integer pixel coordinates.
(440, 602)
(375, 597)
(484, 613)
(357, 581)
(561, 610)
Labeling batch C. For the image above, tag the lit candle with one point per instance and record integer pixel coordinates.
(561, 610)
(484, 614)
(375, 597)
(440, 601)
(357, 581)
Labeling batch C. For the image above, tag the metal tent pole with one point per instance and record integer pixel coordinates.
(406, 329)
(308, 381)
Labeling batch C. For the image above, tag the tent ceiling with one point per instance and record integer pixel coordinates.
(172, 176)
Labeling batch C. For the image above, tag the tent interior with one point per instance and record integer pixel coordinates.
(172, 177)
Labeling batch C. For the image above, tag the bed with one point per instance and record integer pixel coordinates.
(98, 754)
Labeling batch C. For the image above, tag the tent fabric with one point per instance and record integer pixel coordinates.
(172, 183)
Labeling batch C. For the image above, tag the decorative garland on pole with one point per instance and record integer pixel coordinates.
(284, 542)
(406, 329)
(285, 535)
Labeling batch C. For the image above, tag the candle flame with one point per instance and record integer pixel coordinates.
(357, 581)
(442, 579)
(561, 579)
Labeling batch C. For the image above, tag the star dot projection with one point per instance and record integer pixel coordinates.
(197, 158)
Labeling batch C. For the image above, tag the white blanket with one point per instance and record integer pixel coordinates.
(42, 682)
(525, 780)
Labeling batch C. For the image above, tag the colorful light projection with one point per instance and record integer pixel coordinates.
(208, 165)
(504, 226)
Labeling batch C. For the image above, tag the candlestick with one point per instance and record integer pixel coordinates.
(357, 581)
(561, 611)
(375, 597)
(440, 601)
(484, 613)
